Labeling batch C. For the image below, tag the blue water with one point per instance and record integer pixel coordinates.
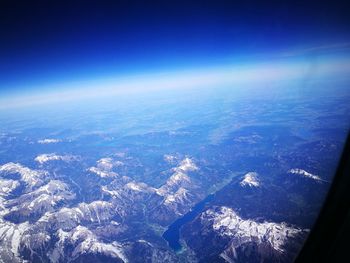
(172, 234)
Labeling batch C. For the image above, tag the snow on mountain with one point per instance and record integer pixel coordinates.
(136, 186)
(17, 236)
(104, 167)
(96, 211)
(53, 187)
(182, 195)
(115, 193)
(251, 180)
(10, 239)
(179, 178)
(108, 163)
(105, 163)
(34, 241)
(139, 187)
(305, 174)
(226, 222)
(7, 186)
(170, 158)
(173, 197)
(102, 173)
(84, 241)
(47, 157)
(67, 218)
(91, 245)
(48, 141)
(177, 193)
(41, 200)
(186, 165)
(32, 178)
(124, 191)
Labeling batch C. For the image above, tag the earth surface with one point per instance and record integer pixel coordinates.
(200, 175)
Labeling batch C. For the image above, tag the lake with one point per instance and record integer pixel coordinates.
(172, 234)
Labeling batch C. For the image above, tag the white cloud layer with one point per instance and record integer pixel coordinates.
(304, 174)
(48, 141)
(47, 157)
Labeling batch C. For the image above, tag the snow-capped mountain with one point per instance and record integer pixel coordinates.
(226, 222)
(31, 178)
(251, 180)
(44, 199)
(232, 238)
(84, 242)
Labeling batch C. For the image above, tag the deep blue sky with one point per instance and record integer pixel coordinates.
(46, 42)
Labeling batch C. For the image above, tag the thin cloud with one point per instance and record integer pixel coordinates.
(321, 49)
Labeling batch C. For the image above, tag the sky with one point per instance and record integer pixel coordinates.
(48, 45)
